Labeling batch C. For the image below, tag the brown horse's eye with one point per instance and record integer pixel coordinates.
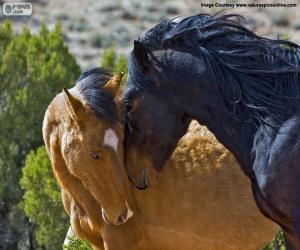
(95, 156)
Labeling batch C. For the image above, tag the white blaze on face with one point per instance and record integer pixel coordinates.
(111, 139)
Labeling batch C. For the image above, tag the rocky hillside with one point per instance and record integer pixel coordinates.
(90, 26)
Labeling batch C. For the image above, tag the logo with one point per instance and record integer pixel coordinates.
(17, 9)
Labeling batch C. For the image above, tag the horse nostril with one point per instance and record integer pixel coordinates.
(122, 218)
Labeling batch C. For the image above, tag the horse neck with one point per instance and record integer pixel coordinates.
(207, 108)
(236, 136)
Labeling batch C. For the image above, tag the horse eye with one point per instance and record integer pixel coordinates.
(128, 106)
(95, 156)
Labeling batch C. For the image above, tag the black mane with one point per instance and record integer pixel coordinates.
(256, 76)
(90, 85)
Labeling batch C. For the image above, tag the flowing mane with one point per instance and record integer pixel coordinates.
(256, 76)
(90, 85)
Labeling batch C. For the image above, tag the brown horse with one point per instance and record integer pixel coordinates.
(201, 201)
(87, 152)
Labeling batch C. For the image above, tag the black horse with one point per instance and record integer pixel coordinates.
(244, 87)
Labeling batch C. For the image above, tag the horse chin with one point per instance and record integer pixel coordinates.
(137, 184)
(153, 176)
(148, 177)
(125, 216)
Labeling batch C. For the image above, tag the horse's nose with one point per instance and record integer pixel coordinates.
(125, 215)
(122, 218)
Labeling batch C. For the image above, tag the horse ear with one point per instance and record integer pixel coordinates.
(113, 85)
(75, 106)
(141, 55)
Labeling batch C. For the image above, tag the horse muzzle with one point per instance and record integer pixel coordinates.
(121, 218)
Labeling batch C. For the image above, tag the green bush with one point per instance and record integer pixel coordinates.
(42, 200)
(277, 243)
(77, 244)
(33, 69)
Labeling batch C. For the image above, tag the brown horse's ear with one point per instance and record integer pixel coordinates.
(75, 106)
(141, 55)
(113, 85)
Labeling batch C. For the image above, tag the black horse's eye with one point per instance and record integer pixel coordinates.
(95, 156)
(128, 106)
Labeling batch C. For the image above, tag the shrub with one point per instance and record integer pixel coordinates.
(42, 200)
(33, 68)
(77, 244)
(277, 243)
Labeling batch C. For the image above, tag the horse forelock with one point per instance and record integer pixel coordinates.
(90, 87)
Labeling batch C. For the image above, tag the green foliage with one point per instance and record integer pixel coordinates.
(277, 243)
(6, 35)
(42, 200)
(114, 62)
(121, 64)
(77, 244)
(109, 59)
(33, 69)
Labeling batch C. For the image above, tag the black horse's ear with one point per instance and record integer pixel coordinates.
(141, 55)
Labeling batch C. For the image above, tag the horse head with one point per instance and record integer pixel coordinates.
(84, 139)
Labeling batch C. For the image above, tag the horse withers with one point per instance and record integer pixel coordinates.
(84, 140)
